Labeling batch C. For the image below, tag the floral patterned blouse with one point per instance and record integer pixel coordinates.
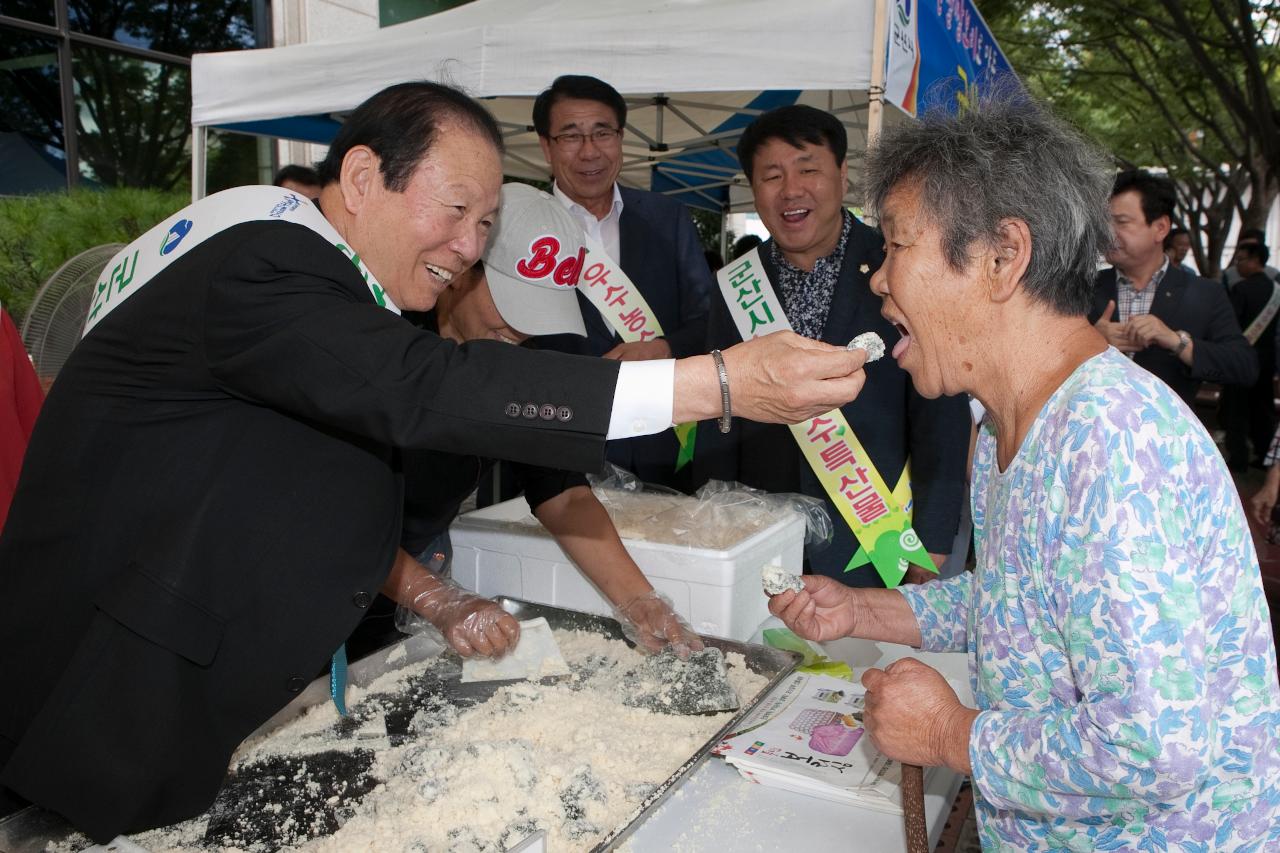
(1119, 642)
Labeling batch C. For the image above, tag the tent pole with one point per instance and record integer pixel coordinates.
(875, 92)
(199, 150)
(724, 232)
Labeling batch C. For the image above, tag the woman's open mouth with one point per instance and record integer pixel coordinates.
(903, 343)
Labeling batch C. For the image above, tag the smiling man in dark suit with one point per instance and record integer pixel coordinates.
(213, 492)
(581, 122)
(820, 258)
(1177, 325)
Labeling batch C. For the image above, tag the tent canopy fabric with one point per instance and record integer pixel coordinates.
(495, 48)
(693, 72)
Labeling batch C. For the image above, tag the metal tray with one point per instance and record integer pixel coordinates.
(32, 829)
(762, 660)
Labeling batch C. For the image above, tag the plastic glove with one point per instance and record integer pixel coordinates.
(471, 625)
(650, 622)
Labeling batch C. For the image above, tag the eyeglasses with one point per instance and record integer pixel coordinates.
(600, 136)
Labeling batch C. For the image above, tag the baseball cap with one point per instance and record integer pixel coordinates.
(533, 261)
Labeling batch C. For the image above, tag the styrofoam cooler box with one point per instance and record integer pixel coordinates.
(718, 591)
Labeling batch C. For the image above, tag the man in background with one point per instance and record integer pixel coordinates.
(1176, 325)
(581, 122)
(301, 179)
(1231, 274)
(1176, 246)
(1250, 412)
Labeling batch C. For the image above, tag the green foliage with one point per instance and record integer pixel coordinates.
(40, 233)
(708, 224)
(1190, 86)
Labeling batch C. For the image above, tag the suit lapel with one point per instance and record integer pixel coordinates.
(1168, 302)
(629, 240)
(845, 305)
(598, 329)
(852, 296)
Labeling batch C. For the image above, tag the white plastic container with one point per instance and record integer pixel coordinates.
(718, 591)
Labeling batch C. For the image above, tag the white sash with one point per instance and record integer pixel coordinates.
(623, 307)
(151, 254)
(607, 287)
(1268, 312)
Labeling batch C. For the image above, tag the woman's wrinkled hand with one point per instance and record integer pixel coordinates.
(913, 715)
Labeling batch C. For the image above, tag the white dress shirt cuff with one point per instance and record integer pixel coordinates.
(643, 399)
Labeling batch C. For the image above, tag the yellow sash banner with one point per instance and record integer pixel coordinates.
(607, 287)
(901, 494)
(873, 512)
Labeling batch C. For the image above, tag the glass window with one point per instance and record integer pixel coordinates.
(398, 11)
(180, 27)
(233, 161)
(133, 121)
(31, 142)
(40, 11)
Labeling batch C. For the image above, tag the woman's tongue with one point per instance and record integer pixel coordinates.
(903, 342)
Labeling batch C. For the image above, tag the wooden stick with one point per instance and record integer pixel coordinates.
(913, 809)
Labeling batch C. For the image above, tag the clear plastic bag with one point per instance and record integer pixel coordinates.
(718, 517)
(722, 495)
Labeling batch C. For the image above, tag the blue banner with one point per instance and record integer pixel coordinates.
(940, 52)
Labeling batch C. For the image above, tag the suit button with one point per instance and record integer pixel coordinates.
(564, 413)
(513, 410)
(295, 684)
(547, 412)
(531, 410)
(361, 600)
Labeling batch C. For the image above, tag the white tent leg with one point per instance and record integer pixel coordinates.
(875, 92)
(199, 151)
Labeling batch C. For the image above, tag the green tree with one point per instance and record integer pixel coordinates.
(708, 224)
(1189, 85)
(40, 233)
(134, 115)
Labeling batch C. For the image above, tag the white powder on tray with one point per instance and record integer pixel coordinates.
(567, 757)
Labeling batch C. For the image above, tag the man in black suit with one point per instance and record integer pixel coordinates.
(213, 493)
(1250, 413)
(820, 259)
(1258, 236)
(1177, 325)
(580, 122)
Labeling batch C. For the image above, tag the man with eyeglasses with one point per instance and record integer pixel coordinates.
(580, 122)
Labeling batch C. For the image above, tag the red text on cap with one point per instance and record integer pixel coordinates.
(544, 261)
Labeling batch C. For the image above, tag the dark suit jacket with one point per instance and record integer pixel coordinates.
(1199, 307)
(212, 497)
(663, 258)
(889, 417)
(436, 483)
(1248, 298)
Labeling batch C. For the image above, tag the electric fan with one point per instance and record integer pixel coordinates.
(56, 319)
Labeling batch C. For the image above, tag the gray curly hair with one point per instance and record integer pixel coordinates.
(1007, 157)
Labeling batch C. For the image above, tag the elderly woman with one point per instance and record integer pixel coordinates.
(1115, 625)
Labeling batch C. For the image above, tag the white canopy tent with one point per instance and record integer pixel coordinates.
(694, 72)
